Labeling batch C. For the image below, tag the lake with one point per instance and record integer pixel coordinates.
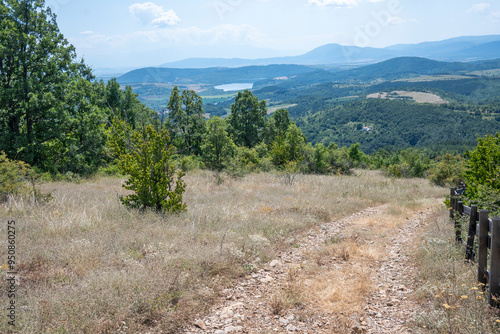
(235, 87)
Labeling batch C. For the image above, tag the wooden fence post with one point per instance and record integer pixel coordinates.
(469, 250)
(458, 227)
(495, 263)
(452, 201)
(484, 224)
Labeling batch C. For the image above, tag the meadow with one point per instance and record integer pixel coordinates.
(87, 264)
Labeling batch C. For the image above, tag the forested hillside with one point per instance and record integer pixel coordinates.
(394, 124)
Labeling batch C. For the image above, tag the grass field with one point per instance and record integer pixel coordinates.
(88, 265)
(424, 78)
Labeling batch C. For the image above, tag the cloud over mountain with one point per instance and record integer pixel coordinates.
(151, 13)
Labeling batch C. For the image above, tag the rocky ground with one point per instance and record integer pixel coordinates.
(252, 306)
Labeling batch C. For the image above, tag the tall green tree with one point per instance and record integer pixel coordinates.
(217, 146)
(37, 68)
(277, 125)
(248, 119)
(187, 120)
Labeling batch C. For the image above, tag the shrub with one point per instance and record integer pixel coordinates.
(13, 177)
(152, 175)
(17, 178)
(482, 173)
(448, 171)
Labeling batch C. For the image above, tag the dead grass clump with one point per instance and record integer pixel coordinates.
(290, 295)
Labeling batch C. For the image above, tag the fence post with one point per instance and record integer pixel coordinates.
(458, 227)
(495, 263)
(452, 201)
(484, 224)
(469, 250)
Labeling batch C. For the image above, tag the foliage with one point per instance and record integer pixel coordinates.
(448, 171)
(482, 173)
(392, 124)
(248, 119)
(152, 176)
(13, 176)
(37, 68)
(17, 178)
(187, 120)
(408, 163)
(319, 159)
(217, 146)
(277, 125)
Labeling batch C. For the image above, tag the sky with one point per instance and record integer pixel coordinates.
(134, 33)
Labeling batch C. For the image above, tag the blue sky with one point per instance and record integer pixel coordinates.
(133, 33)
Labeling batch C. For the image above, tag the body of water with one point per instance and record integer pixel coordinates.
(235, 87)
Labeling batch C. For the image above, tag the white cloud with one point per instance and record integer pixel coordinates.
(151, 13)
(338, 3)
(479, 7)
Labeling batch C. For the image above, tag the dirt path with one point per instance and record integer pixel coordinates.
(256, 305)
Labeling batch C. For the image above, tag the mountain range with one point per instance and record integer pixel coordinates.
(466, 48)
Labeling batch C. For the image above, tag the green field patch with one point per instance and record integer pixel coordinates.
(487, 73)
(424, 78)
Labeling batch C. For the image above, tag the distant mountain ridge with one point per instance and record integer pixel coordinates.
(466, 48)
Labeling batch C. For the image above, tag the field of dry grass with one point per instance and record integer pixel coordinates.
(88, 265)
(418, 97)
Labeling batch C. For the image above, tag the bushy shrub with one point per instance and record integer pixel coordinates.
(152, 175)
(13, 177)
(448, 171)
(482, 173)
(18, 179)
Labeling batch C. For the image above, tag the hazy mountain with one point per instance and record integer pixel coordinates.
(392, 69)
(212, 76)
(456, 49)
(300, 75)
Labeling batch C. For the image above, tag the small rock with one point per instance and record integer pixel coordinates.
(358, 329)
(232, 329)
(275, 263)
(283, 322)
(200, 324)
(267, 279)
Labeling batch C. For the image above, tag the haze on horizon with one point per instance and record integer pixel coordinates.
(134, 33)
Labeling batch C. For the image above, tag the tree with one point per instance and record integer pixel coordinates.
(37, 67)
(187, 120)
(482, 171)
(147, 161)
(277, 125)
(247, 119)
(126, 105)
(217, 146)
(294, 142)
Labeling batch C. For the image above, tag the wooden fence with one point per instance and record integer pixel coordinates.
(488, 232)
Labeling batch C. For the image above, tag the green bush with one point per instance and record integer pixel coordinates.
(152, 175)
(448, 171)
(482, 173)
(13, 177)
(18, 179)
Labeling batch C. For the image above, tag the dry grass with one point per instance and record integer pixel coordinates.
(451, 299)
(89, 265)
